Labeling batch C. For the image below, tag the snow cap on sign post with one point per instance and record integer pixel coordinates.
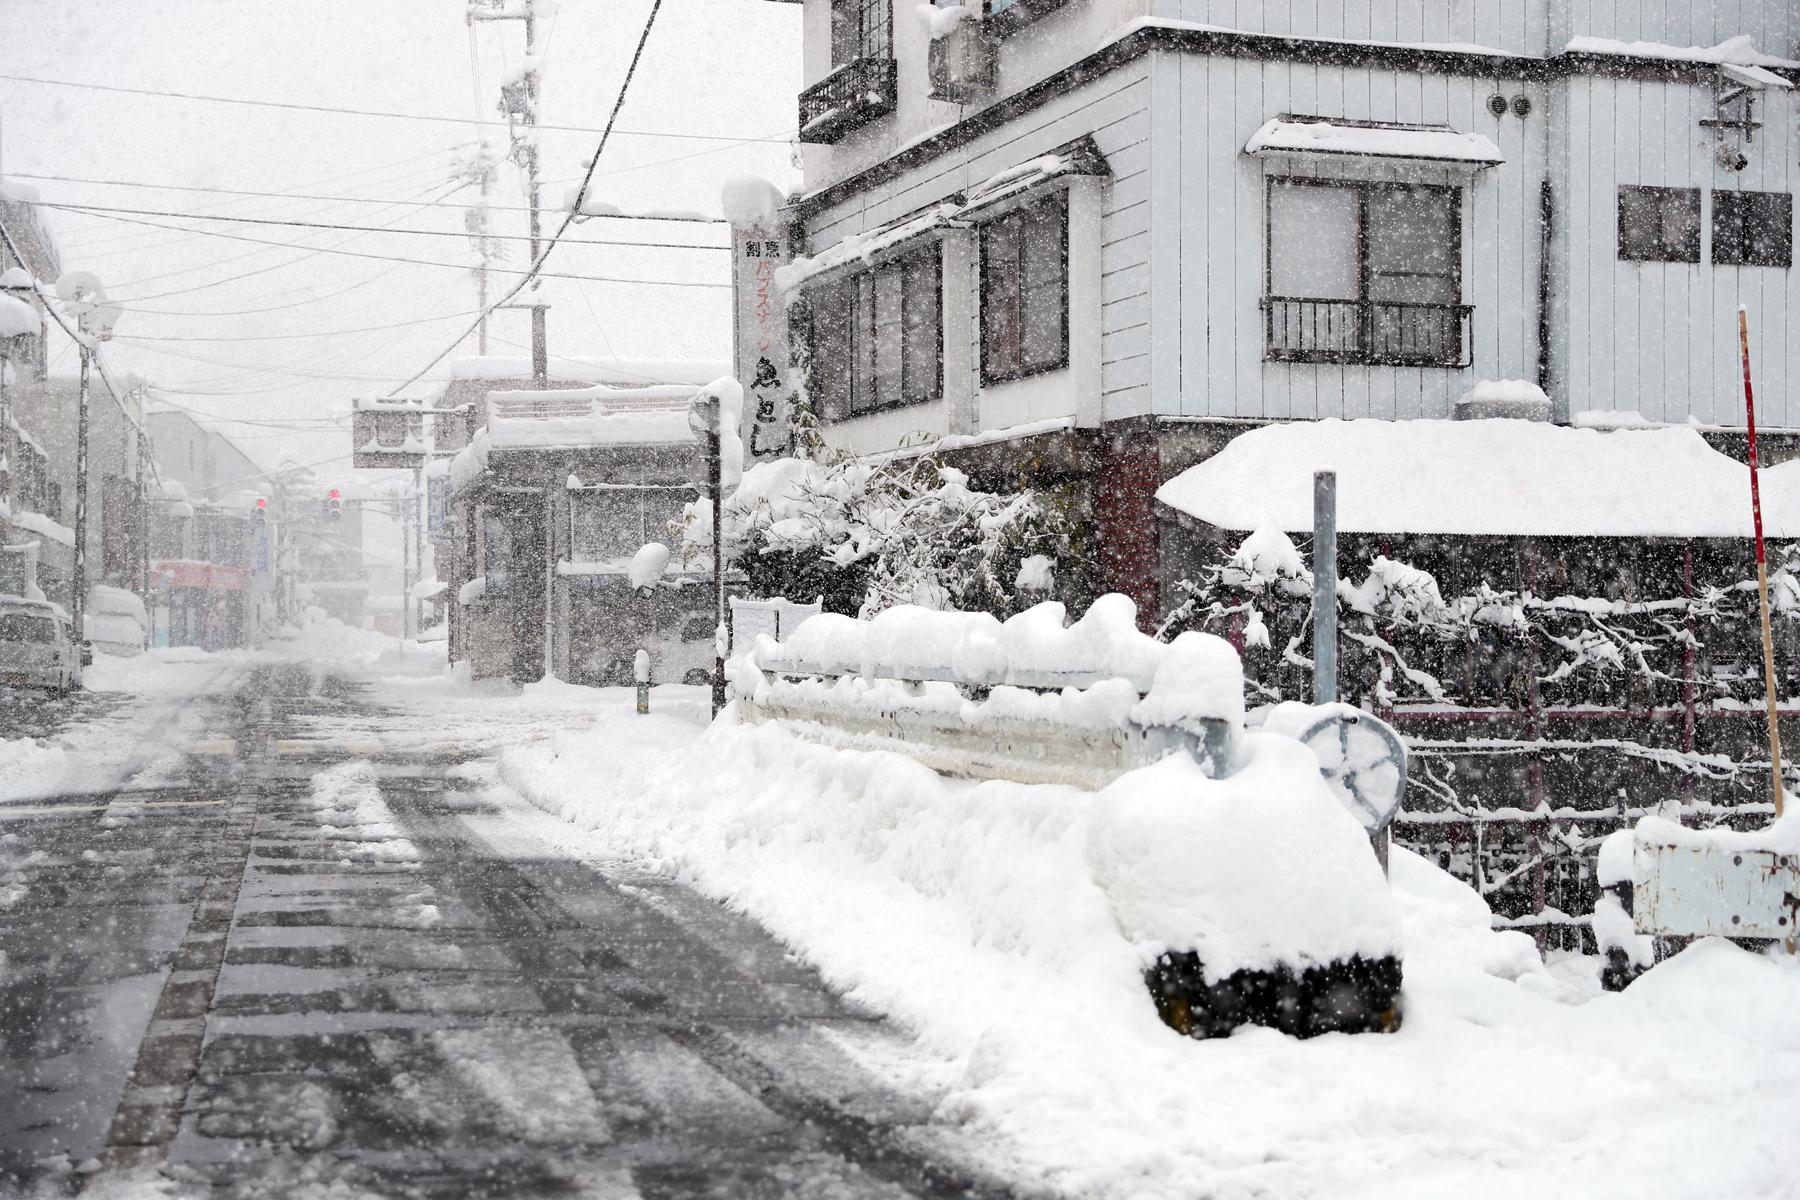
(719, 408)
(750, 201)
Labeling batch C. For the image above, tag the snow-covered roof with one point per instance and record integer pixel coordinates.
(1494, 477)
(1739, 52)
(1306, 137)
(620, 372)
(602, 427)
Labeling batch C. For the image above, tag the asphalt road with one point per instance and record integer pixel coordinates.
(297, 967)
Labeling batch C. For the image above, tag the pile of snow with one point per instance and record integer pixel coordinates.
(1007, 926)
(30, 769)
(1197, 676)
(750, 200)
(1534, 478)
(940, 22)
(1739, 51)
(18, 319)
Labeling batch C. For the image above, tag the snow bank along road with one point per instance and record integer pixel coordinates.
(278, 963)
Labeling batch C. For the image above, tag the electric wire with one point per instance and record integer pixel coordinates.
(363, 112)
(568, 218)
(101, 210)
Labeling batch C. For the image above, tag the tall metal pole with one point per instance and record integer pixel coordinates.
(1324, 587)
(715, 472)
(79, 598)
(1762, 570)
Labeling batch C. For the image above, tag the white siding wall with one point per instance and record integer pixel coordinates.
(1184, 245)
(1114, 110)
(1662, 337)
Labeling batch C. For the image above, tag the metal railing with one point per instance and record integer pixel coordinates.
(851, 96)
(1302, 329)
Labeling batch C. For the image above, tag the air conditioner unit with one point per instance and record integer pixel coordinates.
(964, 63)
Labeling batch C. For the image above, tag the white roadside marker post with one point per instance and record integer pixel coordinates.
(640, 667)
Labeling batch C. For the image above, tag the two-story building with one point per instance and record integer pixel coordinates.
(1108, 236)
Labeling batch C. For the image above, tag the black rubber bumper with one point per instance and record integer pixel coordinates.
(1356, 995)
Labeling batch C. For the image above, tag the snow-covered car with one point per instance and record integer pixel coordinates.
(37, 648)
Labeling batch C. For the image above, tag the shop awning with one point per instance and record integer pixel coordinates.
(1485, 478)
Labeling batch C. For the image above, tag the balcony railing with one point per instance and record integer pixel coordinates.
(850, 97)
(1366, 331)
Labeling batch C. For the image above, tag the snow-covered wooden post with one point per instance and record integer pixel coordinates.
(703, 419)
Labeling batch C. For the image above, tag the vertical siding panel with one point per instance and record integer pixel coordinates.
(1384, 20)
(1165, 234)
(1281, 389)
(1490, 206)
(1641, 128)
(1580, 219)
(1246, 204)
(1223, 398)
(1196, 219)
(1331, 92)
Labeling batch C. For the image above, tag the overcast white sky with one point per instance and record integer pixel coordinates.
(274, 340)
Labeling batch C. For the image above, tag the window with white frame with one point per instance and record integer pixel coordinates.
(877, 337)
(1365, 272)
(1025, 291)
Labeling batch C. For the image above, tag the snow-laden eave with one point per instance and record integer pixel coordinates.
(1296, 138)
(1079, 157)
(1484, 478)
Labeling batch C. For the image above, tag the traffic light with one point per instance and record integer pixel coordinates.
(334, 506)
(262, 509)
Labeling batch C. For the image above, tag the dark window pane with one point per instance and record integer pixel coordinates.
(1659, 224)
(859, 29)
(1000, 298)
(1025, 291)
(1413, 248)
(889, 291)
(832, 308)
(1043, 305)
(923, 331)
(862, 377)
(1753, 229)
(1771, 229)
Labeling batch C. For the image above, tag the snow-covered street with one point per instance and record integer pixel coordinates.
(357, 923)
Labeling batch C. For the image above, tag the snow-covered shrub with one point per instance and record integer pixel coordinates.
(870, 535)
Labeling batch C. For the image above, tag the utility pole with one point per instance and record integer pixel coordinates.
(78, 597)
(518, 102)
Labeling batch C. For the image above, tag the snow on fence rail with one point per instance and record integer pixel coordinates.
(1044, 703)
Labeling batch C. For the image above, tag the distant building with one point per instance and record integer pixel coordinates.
(38, 443)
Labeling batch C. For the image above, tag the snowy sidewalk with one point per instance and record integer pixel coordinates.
(978, 916)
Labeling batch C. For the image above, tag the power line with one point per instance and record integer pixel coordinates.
(537, 266)
(172, 187)
(364, 112)
(417, 262)
(285, 337)
(451, 233)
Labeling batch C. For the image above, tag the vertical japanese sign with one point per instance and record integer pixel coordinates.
(436, 488)
(761, 339)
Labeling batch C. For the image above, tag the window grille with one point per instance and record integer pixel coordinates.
(1365, 273)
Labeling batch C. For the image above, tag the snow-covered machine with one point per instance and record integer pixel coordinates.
(1240, 857)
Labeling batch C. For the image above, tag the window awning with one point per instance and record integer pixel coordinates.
(1505, 478)
(1291, 137)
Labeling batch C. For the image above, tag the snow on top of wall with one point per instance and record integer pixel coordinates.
(1183, 680)
(1739, 51)
(1489, 477)
(621, 372)
(1436, 143)
(18, 318)
(603, 427)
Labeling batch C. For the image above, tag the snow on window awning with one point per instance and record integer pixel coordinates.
(1079, 157)
(1485, 478)
(1303, 137)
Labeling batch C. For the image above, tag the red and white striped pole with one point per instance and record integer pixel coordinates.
(1762, 570)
